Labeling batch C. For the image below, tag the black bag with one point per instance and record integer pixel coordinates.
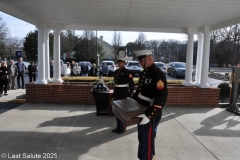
(4, 77)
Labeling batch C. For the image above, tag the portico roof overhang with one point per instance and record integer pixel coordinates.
(171, 16)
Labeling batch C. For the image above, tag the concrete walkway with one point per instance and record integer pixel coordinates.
(74, 132)
(12, 95)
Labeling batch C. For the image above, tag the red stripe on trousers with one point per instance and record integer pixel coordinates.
(150, 143)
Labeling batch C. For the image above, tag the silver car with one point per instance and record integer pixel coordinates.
(177, 69)
(89, 64)
(134, 67)
(111, 67)
(161, 66)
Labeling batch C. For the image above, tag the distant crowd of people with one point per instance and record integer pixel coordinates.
(12, 72)
(73, 69)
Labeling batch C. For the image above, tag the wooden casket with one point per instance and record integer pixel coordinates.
(127, 110)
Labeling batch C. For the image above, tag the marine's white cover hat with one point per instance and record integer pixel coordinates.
(120, 58)
(142, 53)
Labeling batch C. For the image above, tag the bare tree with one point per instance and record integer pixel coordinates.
(141, 40)
(4, 30)
(4, 34)
(116, 42)
(88, 34)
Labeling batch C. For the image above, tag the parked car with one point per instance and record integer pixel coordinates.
(161, 66)
(89, 64)
(111, 67)
(26, 64)
(134, 67)
(177, 69)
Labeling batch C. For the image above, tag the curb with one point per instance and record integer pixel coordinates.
(22, 101)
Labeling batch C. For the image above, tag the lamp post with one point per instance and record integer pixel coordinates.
(98, 56)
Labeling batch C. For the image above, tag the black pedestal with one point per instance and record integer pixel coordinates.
(103, 102)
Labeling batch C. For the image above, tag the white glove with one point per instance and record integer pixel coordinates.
(144, 120)
(230, 85)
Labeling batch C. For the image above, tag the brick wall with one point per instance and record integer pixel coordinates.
(80, 93)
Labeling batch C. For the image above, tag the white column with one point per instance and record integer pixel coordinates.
(189, 62)
(56, 57)
(41, 58)
(205, 59)
(47, 62)
(199, 59)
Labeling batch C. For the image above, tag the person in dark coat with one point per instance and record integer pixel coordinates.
(3, 78)
(32, 69)
(151, 92)
(93, 70)
(51, 69)
(105, 69)
(123, 88)
(84, 69)
(21, 72)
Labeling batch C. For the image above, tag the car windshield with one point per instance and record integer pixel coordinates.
(81, 63)
(134, 64)
(160, 65)
(180, 65)
(108, 63)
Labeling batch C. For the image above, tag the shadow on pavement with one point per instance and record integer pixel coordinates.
(6, 106)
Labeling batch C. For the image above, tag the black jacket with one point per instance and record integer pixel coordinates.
(32, 69)
(3, 71)
(84, 71)
(123, 76)
(152, 84)
(93, 69)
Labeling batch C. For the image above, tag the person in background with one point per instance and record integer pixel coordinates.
(151, 92)
(32, 69)
(105, 69)
(123, 80)
(231, 84)
(51, 69)
(84, 69)
(93, 70)
(3, 78)
(67, 70)
(12, 73)
(63, 69)
(76, 70)
(21, 72)
(72, 65)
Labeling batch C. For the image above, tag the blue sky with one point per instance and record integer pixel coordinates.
(19, 29)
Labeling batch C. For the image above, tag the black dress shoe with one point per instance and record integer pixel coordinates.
(115, 130)
(120, 132)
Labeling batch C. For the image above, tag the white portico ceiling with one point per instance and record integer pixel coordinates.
(173, 16)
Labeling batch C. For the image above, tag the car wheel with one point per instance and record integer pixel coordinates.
(168, 73)
(175, 74)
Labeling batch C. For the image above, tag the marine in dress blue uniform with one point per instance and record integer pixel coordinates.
(123, 88)
(151, 92)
